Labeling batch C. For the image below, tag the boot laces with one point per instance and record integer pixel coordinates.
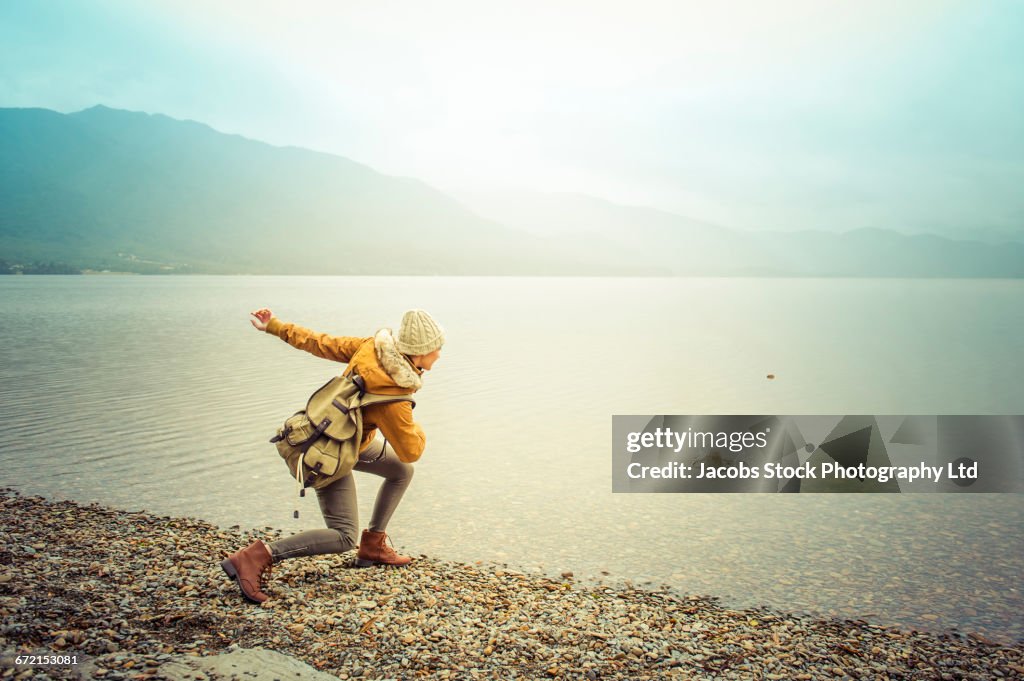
(388, 550)
(265, 573)
(391, 551)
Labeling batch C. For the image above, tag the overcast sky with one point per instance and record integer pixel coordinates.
(780, 114)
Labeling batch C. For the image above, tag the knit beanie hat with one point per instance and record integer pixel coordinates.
(419, 334)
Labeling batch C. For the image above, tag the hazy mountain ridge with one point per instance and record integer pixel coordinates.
(679, 245)
(103, 188)
(89, 185)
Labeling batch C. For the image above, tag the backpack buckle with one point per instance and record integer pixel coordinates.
(309, 478)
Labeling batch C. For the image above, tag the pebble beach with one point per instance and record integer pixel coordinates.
(131, 595)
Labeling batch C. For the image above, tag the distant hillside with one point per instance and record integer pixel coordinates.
(110, 189)
(666, 243)
(660, 242)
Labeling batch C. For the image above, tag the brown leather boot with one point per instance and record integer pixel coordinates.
(247, 568)
(374, 549)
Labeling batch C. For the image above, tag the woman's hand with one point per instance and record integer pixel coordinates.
(262, 316)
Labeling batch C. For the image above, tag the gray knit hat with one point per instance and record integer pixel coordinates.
(419, 334)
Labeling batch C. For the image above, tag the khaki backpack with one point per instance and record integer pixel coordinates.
(321, 443)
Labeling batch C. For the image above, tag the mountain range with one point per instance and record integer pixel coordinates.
(106, 189)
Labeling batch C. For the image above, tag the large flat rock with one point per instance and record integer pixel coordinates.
(243, 664)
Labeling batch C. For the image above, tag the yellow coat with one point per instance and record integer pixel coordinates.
(386, 372)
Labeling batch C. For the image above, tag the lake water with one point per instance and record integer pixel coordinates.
(155, 393)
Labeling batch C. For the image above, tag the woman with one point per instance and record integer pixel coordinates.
(390, 365)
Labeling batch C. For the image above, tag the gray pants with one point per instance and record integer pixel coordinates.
(340, 511)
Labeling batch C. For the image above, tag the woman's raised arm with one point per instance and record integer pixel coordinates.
(336, 348)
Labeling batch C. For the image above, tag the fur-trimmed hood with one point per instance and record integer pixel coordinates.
(394, 363)
(385, 370)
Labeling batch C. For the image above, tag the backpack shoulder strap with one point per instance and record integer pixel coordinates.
(371, 398)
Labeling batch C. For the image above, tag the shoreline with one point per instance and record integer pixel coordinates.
(131, 593)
